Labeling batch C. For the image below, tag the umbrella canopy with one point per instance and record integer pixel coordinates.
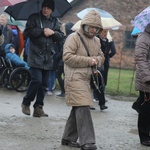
(110, 23)
(23, 10)
(107, 23)
(142, 19)
(9, 2)
(135, 31)
(102, 13)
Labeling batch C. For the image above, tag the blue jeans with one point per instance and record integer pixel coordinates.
(59, 73)
(37, 87)
(52, 78)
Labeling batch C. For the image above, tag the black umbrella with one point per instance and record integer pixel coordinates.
(23, 10)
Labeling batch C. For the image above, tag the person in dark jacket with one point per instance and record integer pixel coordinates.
(109, 50)
(43, 30)
(66, 28)
(7, 33)
(56, 59)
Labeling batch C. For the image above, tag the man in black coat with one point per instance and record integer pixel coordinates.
(43, 30)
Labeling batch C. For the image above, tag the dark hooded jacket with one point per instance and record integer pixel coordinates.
(41, 47)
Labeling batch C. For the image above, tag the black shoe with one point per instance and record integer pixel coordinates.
(70, 143)
(102, 107)
(146, 143)
(89, 147)
(92, 108)
(62, 95)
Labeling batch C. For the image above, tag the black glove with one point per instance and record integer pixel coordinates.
(0, 32)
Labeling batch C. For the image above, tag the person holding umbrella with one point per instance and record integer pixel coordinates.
(43, 30)
(78, 92)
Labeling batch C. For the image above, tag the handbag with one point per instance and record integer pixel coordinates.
(96, 81)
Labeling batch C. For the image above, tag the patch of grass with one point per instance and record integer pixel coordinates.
(121, 82)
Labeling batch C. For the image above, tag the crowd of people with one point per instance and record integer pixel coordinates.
(52, 51)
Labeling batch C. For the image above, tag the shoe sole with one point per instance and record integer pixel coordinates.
(64, 143)
(39, 116)
(92, 148)
(26, 113)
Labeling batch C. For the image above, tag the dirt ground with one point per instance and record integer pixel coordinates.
(115, 128)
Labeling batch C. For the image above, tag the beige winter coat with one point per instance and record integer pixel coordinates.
(142, 59)
(77, 64)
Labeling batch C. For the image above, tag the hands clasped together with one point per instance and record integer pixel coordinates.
(48, 32)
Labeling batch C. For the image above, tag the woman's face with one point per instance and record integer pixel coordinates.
(92, 31)
(103, 33)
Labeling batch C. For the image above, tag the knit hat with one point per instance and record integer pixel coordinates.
(49, 3)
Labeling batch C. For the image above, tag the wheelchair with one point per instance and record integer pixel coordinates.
(12, 77)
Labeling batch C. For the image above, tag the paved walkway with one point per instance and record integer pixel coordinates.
(115, 128)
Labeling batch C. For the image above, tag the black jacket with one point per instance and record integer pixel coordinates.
(108, 49)
(41, 47)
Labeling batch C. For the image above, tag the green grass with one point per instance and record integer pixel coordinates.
(121, 82)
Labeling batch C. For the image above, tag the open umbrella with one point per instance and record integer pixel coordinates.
(102, 13)
(142, 19)
(23, 10)
(9, 2)
(108, 21)
(135, 31)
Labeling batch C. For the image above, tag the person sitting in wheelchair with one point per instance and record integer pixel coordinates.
(13, 57)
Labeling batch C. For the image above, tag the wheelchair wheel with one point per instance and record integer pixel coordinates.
(19, 79)
(5, 78)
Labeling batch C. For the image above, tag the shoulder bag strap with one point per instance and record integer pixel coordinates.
(84, 44)
(94, 80)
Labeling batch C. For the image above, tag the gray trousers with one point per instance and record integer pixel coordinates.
(80, 126)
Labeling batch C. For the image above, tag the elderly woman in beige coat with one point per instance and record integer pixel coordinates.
(79, 95)
(142, 84)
